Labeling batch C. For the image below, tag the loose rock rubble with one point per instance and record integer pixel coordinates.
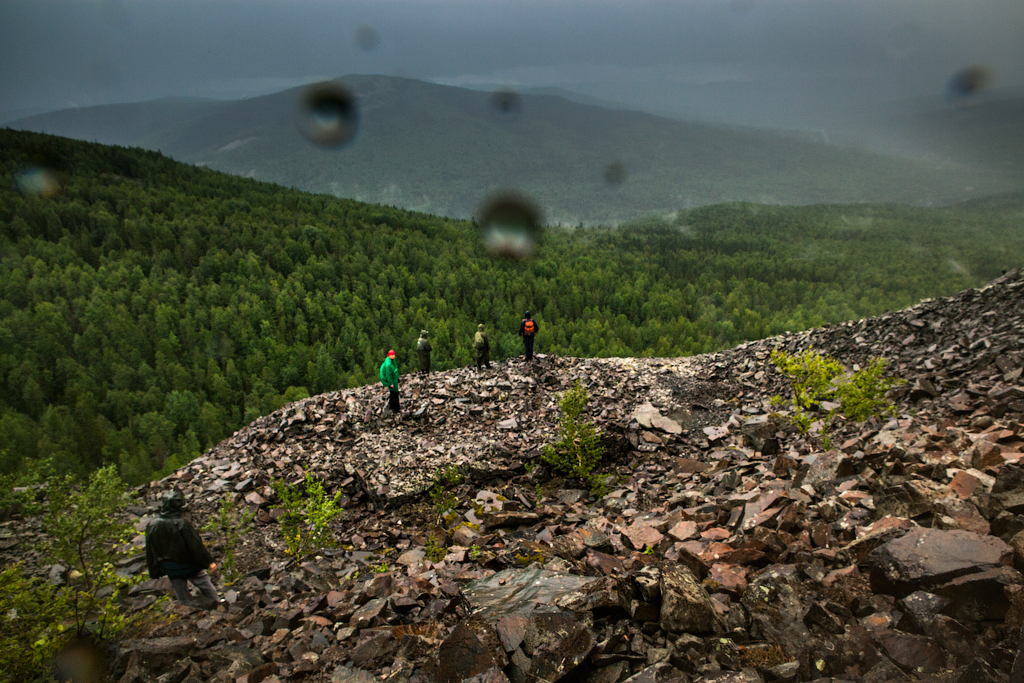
(728, 547)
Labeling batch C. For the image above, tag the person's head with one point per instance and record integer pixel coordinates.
(480, 327)
(526, 315)
(172, 502)
(391, 354)
(423, 333)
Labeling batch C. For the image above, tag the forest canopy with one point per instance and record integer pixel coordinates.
(150, 308)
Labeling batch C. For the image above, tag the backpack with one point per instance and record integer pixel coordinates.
(529, 328)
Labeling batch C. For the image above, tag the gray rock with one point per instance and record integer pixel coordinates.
(980, 596)
(521, 591)
(344, 674)
(471, 649)
(685, 605)
(774, 600)
(922, 559)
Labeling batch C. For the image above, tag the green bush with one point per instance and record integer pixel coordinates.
(308, 513)
(230, 525)
(817, 380)
(579, 450)
(32, 625)
(445, 500)
(89, 535)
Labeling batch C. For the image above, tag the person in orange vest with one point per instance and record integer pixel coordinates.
(528, 330)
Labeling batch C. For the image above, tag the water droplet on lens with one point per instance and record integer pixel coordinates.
(328, 114)
(903, 41)
(510, 225)
(968, 81)
(80, 661)
(367, 38)
(615, 173)
(38, 181)
(506, 101)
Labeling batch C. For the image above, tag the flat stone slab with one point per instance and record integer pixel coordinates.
(515, 591)
(923, 559)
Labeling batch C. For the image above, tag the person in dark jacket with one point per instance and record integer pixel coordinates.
(528, 330)
(423, 350)
(175, 550)
(483, 347)
(389, 378)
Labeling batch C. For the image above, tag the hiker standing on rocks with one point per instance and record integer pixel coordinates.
(423, 350)
(528, 330)
(389, 378)
(483, 347)
(175, 550)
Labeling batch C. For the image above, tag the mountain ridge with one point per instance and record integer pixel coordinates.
(443, 149)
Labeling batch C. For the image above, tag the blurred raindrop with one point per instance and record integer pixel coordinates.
(615, 173)
(328, 114)
(903, 40)
(80, 662)
(506, 101)
(968, 81)
(510, 225)
(38, 181)
(367, 38)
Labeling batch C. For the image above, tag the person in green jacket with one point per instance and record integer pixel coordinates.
(423, 350)
(483, 347)
(389, 378)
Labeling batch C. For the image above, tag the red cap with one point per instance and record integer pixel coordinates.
(391, 353)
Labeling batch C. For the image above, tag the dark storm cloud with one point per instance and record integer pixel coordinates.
(65, 52)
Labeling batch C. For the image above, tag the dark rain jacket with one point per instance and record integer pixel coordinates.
(389, 374)
(173, 548)
(423, 350)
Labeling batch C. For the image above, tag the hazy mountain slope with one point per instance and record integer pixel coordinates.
(443, 149)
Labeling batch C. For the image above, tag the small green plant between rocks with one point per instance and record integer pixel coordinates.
(821, 385)
(230, 525)
(441, 493)
(578, 452)
(436, 551)
(308, 513)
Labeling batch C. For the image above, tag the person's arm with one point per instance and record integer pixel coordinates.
(151, 564)
(196, 548)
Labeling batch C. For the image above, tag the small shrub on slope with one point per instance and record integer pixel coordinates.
(819, 382)
(579, 450)
(308, 513)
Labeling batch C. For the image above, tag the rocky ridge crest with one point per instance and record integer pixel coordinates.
(728, 548)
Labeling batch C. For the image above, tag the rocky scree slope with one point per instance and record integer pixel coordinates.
(728, 548)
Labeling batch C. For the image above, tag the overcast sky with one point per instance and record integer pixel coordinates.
(749, 61)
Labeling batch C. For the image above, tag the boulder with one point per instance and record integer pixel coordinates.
(685, 605)
(922, 559)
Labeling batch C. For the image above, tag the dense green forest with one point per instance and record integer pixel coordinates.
(150, 308)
